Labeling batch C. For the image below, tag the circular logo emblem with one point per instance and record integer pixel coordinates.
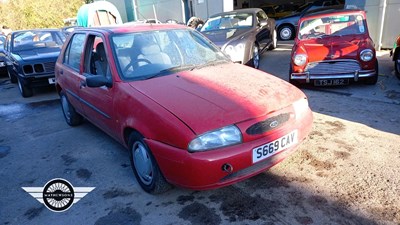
(58, 195)
(273, 124)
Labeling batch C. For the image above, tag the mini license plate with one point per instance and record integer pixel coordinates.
(52, 80)
(274, 147)
(331, 82)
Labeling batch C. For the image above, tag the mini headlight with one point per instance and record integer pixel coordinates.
(300, 59)
(366, 55)
(222, 137)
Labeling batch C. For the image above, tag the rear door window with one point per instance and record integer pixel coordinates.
(73, 54)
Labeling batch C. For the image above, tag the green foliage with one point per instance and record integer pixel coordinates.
(31, 14)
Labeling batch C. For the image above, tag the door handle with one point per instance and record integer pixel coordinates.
(82, 84)
(61, 72)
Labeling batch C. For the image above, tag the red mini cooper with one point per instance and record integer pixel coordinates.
(333, 48)
(188, 115)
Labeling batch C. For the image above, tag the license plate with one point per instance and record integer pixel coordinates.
(274, 147)
(52, 80)
(331, 82)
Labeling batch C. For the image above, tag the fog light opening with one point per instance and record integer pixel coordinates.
(227, 168)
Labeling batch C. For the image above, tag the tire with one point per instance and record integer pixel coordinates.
(71, 116)
(293, 82)
(274, 41)
(12, 77)
(286, 32)
(24, 88)
(373, 80)
(255, 57)
(145, 167)
(397, 65)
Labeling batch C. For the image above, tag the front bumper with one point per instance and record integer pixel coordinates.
(204, 170)
(354, 76)
(38, 80)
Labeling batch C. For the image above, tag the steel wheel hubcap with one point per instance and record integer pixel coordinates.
(256, 57)
(65, 106)
(285, 33)
(142, 162)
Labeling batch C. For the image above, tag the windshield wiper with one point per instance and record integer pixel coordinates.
(170, 70)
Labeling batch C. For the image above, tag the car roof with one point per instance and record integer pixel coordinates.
(332, 11)
(42, 29)
(130, 28)
(247, 10)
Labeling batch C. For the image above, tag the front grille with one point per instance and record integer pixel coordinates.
(268, 124)
(333, 67)
(49, 66)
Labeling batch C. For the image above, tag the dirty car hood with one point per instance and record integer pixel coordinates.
(220, 95)
(220, 37)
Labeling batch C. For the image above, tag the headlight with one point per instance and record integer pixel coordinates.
(300, 107)
(366, 55)
(235, 52)
(300, 59)
(222, 137)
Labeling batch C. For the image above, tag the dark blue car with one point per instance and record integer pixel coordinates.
(30, 56)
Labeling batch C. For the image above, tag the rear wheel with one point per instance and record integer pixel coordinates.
(71, 116)
(397, 65)
(255, 60)
(373, 80)
(24, 88)
(286, 32)
(145, 166)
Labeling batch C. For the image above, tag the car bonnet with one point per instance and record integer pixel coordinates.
(220, 95)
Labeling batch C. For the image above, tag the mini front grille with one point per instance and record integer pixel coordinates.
(268, 124)
(333, 67)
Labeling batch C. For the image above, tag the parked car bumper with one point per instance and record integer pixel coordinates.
(307, 76)
(205, 170)
(38, 80)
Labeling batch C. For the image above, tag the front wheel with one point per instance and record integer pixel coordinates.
(24, 88)
(373, 80)
(255, 60)
(397, 65)
(145, 167)
(71, 116)
(12, 77)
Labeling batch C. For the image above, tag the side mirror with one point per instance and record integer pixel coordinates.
(263, 23)
(98, 81)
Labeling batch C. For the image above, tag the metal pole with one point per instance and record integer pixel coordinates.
(381, 24)
(135, 17)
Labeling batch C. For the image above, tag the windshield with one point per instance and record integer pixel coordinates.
(228, 22)
(146, 55)
(332, 26)
(30, 40)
